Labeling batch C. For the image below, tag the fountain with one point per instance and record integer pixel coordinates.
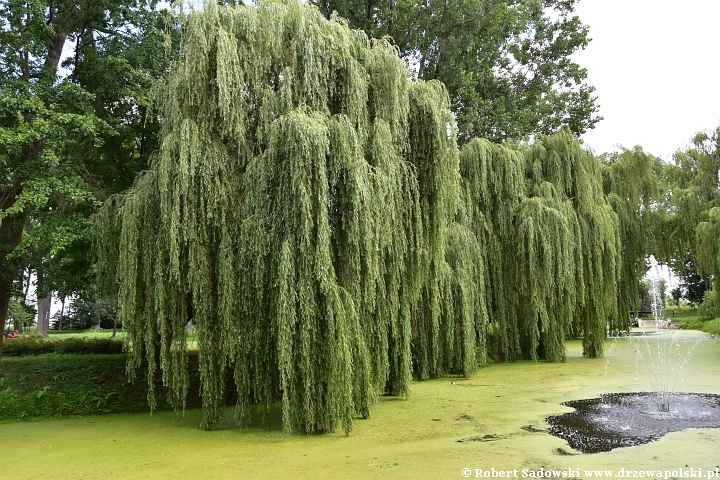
(616, 420)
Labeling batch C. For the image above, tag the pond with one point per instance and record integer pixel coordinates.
(490, 423)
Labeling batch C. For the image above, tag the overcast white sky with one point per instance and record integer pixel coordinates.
(656, 69)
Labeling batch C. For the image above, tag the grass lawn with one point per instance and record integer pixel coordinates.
(90, 333)
(107, 333)
(688, 317)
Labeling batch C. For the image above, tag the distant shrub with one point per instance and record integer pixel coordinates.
(26, 345)
(710, 307)
(712, 326)
(689, 323)
(89, 345)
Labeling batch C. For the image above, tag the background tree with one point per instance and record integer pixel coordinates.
(644, 292)
(688, 235)
(506, 64)
(85, 312)
(20, 315)
(653, 293)
(676, 294)
(691, 284)
(69, 135)
(661, 291)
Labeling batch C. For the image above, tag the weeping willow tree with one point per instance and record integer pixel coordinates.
(551, 244)
(689, 230)
(450, 312)
(631, 184)
(492, 183)
(576, 177)
(297, 212)
(708, 239)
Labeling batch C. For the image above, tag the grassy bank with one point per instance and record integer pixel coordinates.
(689, 318)
(65, 385)
(711, 326)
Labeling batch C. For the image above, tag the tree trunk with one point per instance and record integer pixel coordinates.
(5, 286)
(43, 321)
(11, 231)
(26, 292)
(62, 312)
(54, 54)
(97, 309)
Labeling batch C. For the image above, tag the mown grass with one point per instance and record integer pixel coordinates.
(107, 333)
(89, 333)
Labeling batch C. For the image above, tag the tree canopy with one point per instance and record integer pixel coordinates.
(687, 227)
(631, 180)
(507, 65)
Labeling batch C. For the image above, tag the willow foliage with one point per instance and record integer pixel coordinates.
(283, 215)
(309, 211)
(433, 153)
(576, 175)
(708, 240)
(551, 244)
(694, 227)
(492, 183)
(631, 184)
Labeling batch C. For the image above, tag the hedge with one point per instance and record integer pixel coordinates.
(31, 345)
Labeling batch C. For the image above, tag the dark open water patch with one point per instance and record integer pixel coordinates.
(625, 419)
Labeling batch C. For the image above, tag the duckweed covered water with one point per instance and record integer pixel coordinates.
(493, 420)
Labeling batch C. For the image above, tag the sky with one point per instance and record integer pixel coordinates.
(655, 66)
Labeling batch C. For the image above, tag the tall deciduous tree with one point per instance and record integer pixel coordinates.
(688, 236)
(70, 135)
(506, 64)
(39, 133)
